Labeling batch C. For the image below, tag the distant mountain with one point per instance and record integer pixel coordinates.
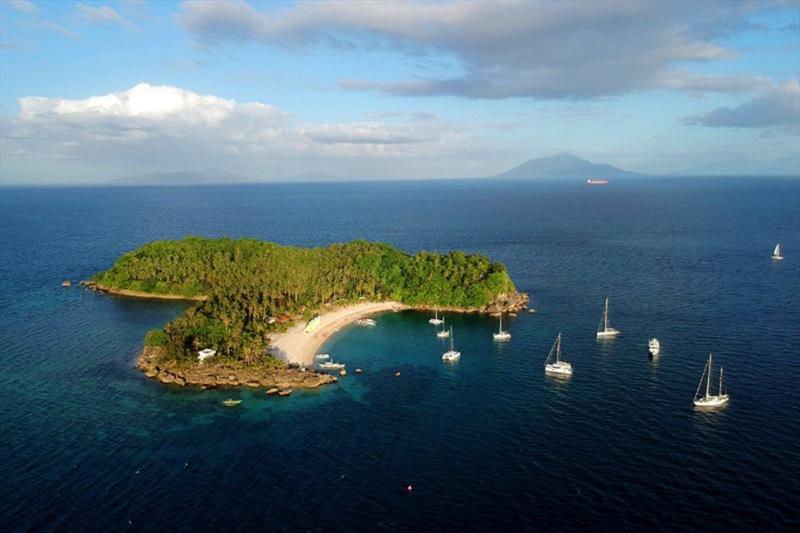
(314, 176)
(565, 166)
(209, 176)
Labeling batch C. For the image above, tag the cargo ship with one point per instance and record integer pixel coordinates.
(597, 181)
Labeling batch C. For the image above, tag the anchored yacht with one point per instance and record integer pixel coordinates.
(710, 401)
(557, 367)
(606, 331)
(501, 335)
(451, 355)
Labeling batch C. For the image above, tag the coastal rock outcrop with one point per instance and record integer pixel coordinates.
(228, 374)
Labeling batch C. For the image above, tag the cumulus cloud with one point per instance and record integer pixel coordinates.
(779, 107)
(157, 127)
(538, 49)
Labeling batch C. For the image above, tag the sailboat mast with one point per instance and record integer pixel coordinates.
(720, 380)
(501, 324)
(708, 382)
(605, 317)
(451, 338)
(558, 348)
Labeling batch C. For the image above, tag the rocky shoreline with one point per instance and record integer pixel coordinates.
(514, 302)
(140, 294)
(228, 375)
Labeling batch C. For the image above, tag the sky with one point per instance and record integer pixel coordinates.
(95, 91)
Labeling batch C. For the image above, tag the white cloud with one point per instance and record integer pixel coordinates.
(539, 49)
(151, 127)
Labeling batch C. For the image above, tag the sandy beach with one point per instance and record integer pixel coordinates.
(297, 346)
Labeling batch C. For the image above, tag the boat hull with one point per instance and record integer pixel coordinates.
(436, 321)
(561, 370)
(610, 332)
(711, 402)
(777, 258)
(451, 356)
(500, 337)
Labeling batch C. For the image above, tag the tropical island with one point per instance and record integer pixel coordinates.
(252, 301)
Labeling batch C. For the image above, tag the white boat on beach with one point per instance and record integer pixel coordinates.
(330, 365)
(710, 401)
(654, 346)
(436, 321)
(451, 355)
(606, 332)
(368, 322)
(322, 356)
(501, 335)
(776, 253)
(312, 325)
(558, 367)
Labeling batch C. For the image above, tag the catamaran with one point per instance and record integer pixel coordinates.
(451, 355)
(776, 253)
(710, 401)
(443, 333)
(368, 322)
(501, 335)
(559, 367)
(606, 331)
(654, 346)
(436, 321)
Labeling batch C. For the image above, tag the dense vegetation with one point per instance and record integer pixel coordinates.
(248, 281)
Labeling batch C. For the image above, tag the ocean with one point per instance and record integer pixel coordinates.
(490, 443)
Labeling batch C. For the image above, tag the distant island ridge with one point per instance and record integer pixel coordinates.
(563, 166)
(559, 166)
(253, 300)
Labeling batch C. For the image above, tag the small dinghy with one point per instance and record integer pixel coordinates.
(230, 402)
(776, 253)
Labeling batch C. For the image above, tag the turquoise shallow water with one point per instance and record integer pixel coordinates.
(488, 443)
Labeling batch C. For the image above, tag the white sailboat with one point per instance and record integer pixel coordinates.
(710, 401)
(501, 335)
(654, 346)
(436, 321)
(442, 333)
(776, 253)
(451, 355)
(606, 331)
(558, 367)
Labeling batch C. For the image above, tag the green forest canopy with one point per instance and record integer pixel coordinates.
(247, 281)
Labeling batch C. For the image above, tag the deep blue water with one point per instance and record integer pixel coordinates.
(488, 444)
